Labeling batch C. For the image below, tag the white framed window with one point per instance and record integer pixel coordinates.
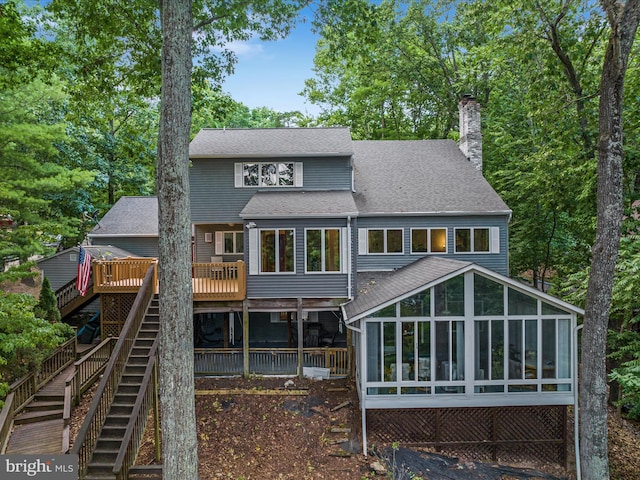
(268, 174)
(272, 251)
(428, 240)
(230, 243)
(477, 240)
(325, 250)
(380, 241)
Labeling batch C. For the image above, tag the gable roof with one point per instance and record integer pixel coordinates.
(420, 177)
(129, 217)
(271, 142)
(378, 289)
(306, 203)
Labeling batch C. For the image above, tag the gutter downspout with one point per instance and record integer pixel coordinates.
(349, 260)
(576, 406)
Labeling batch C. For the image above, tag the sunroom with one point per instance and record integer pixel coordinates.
(442, 334)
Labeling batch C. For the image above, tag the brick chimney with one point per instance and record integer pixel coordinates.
(470, 132)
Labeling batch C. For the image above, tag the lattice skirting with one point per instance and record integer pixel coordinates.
(506, 434)
(113, 312)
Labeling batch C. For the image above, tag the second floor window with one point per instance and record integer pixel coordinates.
(428, 240)
(277, 249)
(380, 241)
(477, 240)
(268, 174)
(323, 250)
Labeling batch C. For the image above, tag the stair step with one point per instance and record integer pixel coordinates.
(33, 417)
(41, 405)
(141, 351)
(115, 427)
(120, 409)
(147, 334)
(131, 387)
(130, 378)
(138, 359)
(100, 469)
(109, 443)
(144, 342)
(125, 397)
(130, 369)
(48, 397)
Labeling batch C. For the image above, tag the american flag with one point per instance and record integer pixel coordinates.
(84, 271)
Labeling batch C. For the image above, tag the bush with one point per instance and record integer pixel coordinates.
(25, 340)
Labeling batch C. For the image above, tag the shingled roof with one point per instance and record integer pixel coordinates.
(420, 177)
(129, 217)
(296, 204)
(378, 288)
(271, 142)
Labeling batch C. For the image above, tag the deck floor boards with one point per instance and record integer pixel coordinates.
(40, 437)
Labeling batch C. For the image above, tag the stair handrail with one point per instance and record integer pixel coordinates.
(138, 419)
(103, 398)
(68, 292)
(85, 372)
(24, 389)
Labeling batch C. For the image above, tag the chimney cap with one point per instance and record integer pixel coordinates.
(467, 98)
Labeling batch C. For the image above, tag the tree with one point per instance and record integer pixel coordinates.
(623, 18)
(177, 395)
(47, 307)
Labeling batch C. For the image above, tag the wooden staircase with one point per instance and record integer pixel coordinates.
(129, 393)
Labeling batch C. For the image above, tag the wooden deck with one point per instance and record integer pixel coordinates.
(41, 436)
(214, 281)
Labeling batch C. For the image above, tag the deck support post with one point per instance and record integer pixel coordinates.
(245, 338)
(299, 321)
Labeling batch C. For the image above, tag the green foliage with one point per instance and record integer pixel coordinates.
(37, 189)
(626, 351)
(47, 307)
(25, 340)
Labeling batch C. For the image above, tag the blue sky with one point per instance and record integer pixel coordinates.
(271, 74)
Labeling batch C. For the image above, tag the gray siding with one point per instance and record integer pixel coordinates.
(214, 197)
(330, 285)
(60, 269)
(141, 246)
(498, 262)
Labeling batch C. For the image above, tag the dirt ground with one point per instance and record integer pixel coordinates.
(267, 433)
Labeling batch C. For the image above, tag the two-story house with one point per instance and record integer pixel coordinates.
(394, 253)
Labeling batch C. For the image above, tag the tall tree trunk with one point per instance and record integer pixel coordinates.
(623, 18)
(177, 401)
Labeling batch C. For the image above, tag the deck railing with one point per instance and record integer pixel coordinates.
(269, 361)
(122, 275)
(211, 281)
(103, 398)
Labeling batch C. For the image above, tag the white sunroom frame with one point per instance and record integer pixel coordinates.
(358, 324)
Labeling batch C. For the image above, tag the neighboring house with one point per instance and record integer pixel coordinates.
(61, 269)
(131, 224)
(396, 248)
